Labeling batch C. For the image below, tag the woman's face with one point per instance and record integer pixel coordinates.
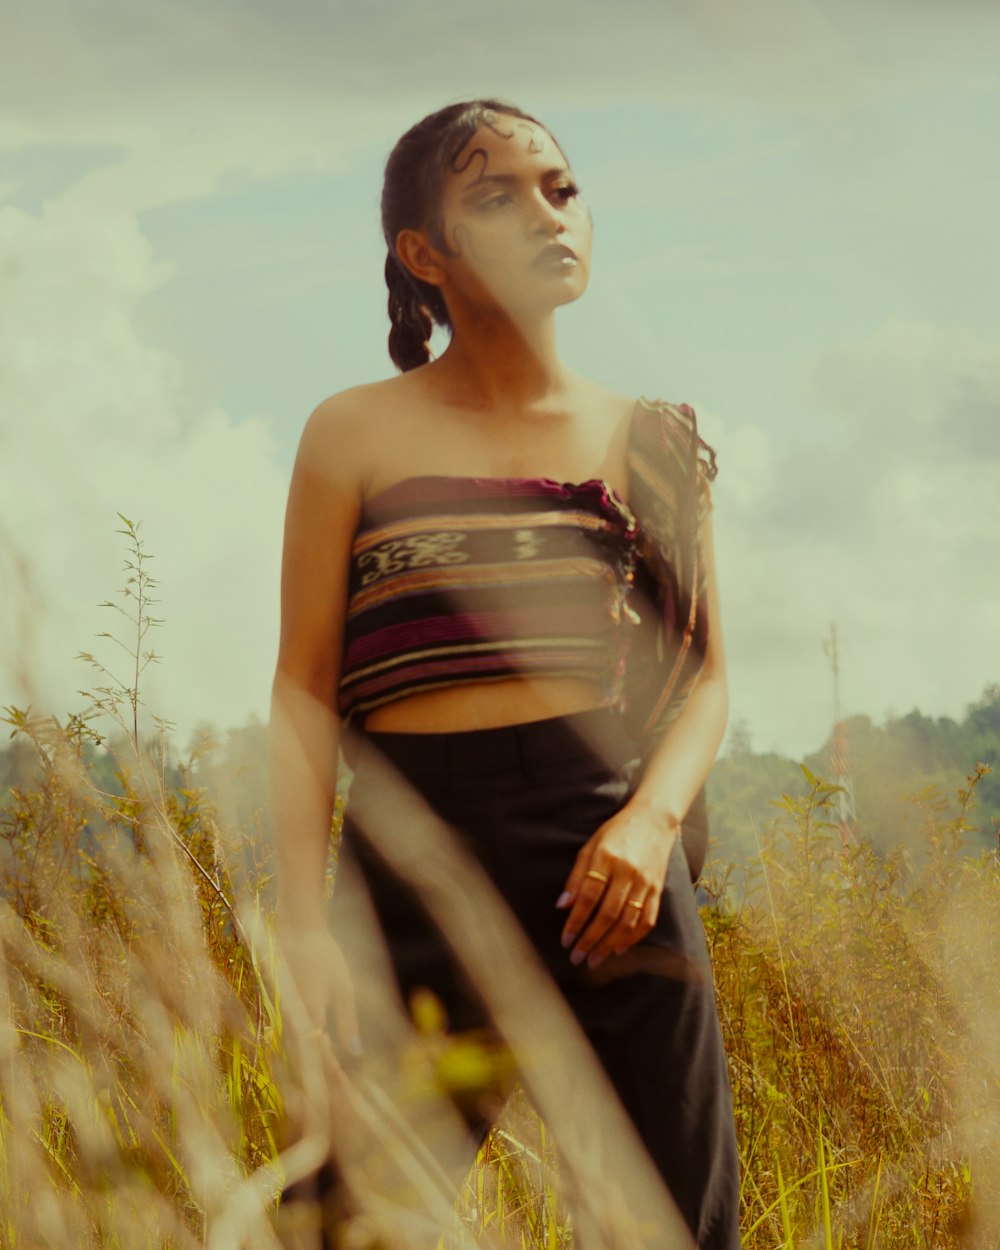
(512, 198)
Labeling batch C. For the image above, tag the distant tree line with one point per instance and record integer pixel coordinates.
(889, 765)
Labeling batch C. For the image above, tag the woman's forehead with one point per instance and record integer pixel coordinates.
(508, 142)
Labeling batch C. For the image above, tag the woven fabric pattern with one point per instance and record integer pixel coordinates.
(462, 579)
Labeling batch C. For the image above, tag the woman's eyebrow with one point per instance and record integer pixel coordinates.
(507, 179)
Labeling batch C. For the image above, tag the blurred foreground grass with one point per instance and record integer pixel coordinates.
(147, 1088)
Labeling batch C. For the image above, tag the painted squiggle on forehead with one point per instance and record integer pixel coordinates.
(491, 120)
(535, 143)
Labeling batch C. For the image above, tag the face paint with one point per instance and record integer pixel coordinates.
(510, 195)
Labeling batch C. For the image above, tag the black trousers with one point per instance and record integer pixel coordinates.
(525, 798)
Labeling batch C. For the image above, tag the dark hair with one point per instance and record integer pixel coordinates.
(411, 199)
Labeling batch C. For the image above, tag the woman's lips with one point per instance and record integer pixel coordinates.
(555, 256)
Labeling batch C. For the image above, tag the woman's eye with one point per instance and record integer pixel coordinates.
(565, 193)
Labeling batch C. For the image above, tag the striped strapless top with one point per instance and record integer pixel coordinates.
(467, 579)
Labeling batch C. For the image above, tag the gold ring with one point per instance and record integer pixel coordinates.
(599, 875)
(633, 903)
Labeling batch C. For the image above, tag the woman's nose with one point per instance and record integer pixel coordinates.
(543, 215)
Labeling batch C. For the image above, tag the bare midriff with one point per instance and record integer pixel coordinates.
(485, 705)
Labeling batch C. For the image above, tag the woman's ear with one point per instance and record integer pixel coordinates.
(419, 257)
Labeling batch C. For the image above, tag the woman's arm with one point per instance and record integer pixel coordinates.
(303, 736)
(684, 755)
(631, 851)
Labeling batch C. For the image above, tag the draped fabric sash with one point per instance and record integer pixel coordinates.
(670, 468)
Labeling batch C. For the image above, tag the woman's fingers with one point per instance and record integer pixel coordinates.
(641, 919)
(604, 918)
(612, 911)
(613, 890)
(341, 1000)
(585, 887)
(323, 987)
(582, 870)
(634, 918)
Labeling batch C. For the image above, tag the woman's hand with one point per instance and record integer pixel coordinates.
(322, 979)
(615, 887)
(316, 984)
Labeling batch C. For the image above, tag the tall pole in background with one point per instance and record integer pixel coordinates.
(840, 753)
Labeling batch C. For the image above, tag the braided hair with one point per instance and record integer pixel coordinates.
(411, 199)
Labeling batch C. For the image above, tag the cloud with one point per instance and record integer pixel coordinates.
(886, 520)
(97, 422)
(931, 392)
(264, 88)
(912, 407)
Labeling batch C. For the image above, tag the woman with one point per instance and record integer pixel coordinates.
(490, 564)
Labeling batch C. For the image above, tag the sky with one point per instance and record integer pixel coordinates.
(794, 206)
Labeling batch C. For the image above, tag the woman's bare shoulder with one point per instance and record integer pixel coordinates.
(348, 427)
(353, 409)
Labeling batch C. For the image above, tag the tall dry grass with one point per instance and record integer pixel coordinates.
(861, 1008)
(153, 1092)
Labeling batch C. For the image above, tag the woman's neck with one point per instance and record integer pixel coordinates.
(497, 365)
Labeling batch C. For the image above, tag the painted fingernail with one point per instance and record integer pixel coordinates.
(564, 899)
(577, 958)
(594, 960)
(568, 939)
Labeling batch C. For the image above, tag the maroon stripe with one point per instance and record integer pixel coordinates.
(547, 661)
(408, 636)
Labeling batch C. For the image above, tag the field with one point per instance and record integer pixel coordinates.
(154, 1091)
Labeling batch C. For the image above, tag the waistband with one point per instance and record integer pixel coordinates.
(599, 732)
